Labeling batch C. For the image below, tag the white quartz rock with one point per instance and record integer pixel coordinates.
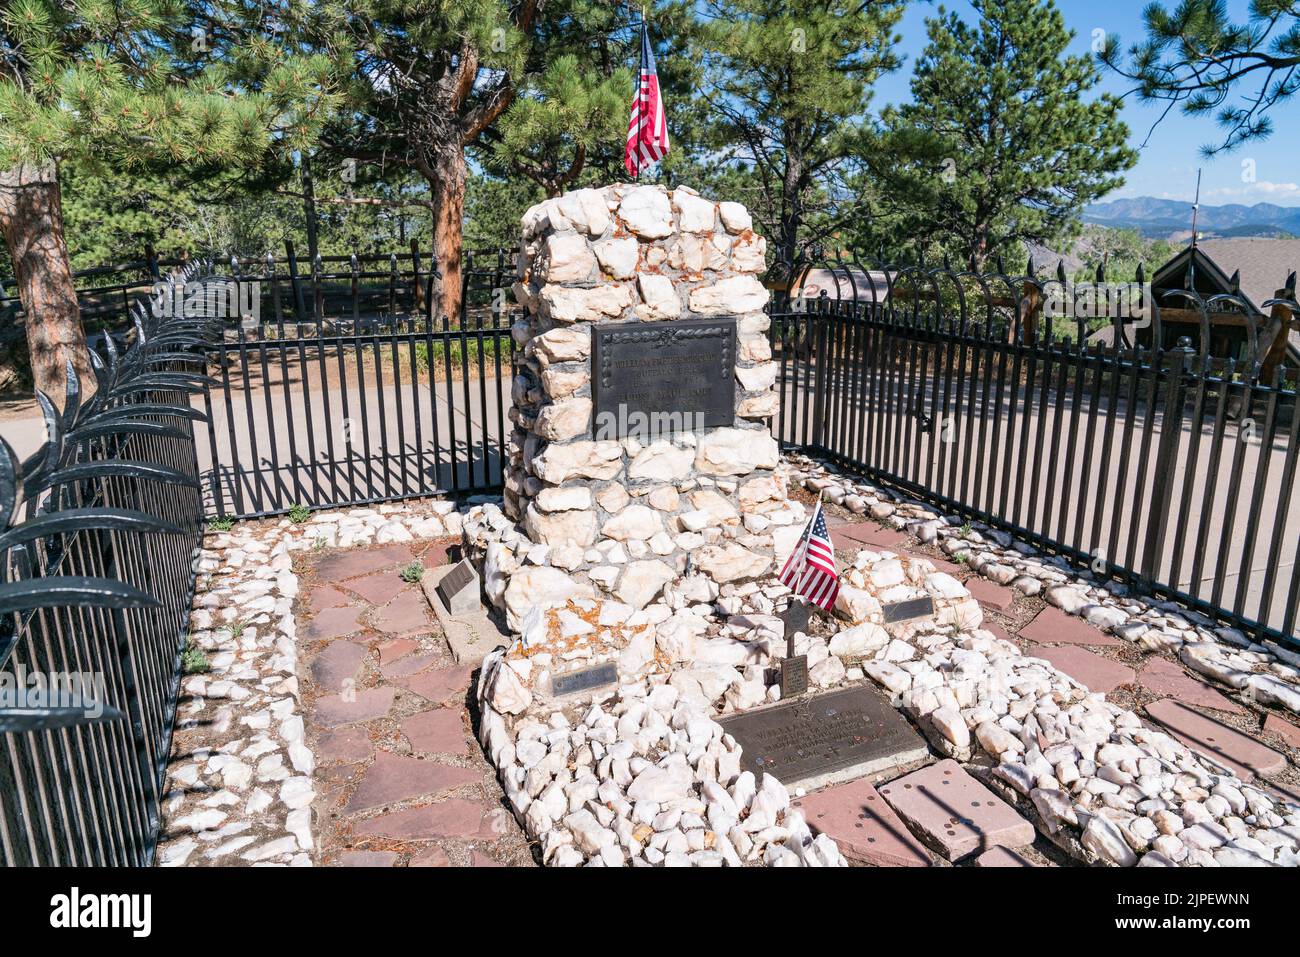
(1104, 839)
(859, 640)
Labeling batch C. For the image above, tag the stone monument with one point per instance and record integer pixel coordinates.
(641, 450)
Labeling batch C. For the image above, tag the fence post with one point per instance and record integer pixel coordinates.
(392, 288)
(416, 285)
(318, 292)
(274, 282)
(823, 371)
(355, 266)
(1171, 429)
(299, 302)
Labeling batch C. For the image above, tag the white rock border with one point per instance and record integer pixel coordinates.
(1268, 673)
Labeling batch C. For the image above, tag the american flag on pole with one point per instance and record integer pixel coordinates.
(647, 129)
(810, 569)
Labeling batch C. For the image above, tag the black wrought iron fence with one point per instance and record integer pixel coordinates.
(100, 533)
(296, 286)
(347, 387)
(1167, 470)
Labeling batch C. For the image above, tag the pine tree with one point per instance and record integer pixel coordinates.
(788, 88)
(1001, 144)
(1196, 56)
(125, 84)
(426, 81)
(563, 116)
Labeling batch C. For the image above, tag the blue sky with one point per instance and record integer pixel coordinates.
(1168, 163)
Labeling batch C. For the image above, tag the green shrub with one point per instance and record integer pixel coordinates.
(299, 514)
(437, 355)
(412, 572)
(193, 660)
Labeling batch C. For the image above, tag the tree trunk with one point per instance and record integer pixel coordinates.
(31, 217)
(791, 206)
(309, 208)
(447, 190)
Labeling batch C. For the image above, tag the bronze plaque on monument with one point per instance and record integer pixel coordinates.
(907, 610)
(655, 378)
(825, 738)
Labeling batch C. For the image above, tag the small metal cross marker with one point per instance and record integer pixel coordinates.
(796, 617)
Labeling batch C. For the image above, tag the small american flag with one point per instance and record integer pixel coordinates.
(810, 569)
(647, 129)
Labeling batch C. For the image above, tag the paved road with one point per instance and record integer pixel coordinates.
(400, 440)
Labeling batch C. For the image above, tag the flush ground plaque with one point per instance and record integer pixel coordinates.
(826, 738)
(660, 377)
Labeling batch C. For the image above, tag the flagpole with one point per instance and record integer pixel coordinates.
(803, 558)
(639, 80)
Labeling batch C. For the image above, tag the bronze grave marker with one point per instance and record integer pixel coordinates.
(825, 738)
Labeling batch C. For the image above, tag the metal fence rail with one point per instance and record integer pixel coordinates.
(347, 390)
(1166, 470)
(101, 528)
(290, 285)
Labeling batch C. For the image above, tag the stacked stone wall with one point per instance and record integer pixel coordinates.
(624, 516)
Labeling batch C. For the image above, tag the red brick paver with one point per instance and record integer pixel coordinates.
(346, 745)
(339, 663)
(354, 562)
(400, 779)
(354, 706)
(377, 588)
(409, 665)
(326, 597)
(440, 686)
(440, 731)
(1283, 729)
(988, 624)
(368, 858)
(1002, 857)
(990, 594)
(1053, 626)
(431, 856)
(1091, 670)
(390, 651)
(1217, 739)
(855, 535)
(1167, 678)
(863, 825)
(452, 818)
(957, 815)
(334, 623)
(392, 778)
(405, 614)
(440, 553)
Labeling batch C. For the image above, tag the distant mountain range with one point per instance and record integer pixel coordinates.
(1172, 219)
